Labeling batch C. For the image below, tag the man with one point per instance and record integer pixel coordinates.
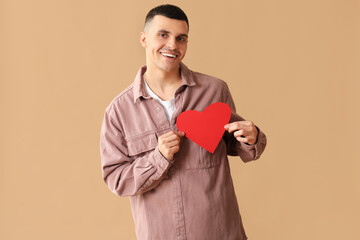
(177, 189)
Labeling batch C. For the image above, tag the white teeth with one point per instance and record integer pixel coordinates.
(168, 55)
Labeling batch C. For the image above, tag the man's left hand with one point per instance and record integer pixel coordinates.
(244, 131)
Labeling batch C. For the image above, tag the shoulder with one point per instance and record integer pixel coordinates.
(126, 97)
(207, 80)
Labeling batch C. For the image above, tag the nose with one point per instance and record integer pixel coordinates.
(171, 43)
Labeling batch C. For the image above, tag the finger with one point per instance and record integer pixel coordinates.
(175, 149)
(239, 133)
(167, 134)
(171, 138)
(172, 133)
(179, 134)
(252, 141)
(244, 122)
(172, 144)
(234, 126)
(242, 139)
(168, 153)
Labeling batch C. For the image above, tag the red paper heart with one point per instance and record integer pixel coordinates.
(205, 128)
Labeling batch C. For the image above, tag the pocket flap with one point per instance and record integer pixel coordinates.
(141, 144)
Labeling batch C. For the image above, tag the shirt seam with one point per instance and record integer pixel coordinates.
(135, 137)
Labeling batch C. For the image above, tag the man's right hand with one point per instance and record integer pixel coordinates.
(169, 144)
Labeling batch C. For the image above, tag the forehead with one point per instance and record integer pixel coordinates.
(173, 26)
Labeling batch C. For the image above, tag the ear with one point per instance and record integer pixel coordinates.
(143, 39)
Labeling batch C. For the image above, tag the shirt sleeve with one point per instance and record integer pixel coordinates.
(234, 147)
(124, 175)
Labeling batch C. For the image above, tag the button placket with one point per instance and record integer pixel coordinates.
(178, 108)
(159, 114)
(178, 208)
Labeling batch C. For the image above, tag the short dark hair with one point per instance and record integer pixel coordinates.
(169, 11)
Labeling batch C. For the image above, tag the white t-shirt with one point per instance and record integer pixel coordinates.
(169, 105)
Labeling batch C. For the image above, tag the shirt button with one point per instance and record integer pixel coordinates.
(157, 109)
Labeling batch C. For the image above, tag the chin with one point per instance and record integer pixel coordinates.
(170, 68)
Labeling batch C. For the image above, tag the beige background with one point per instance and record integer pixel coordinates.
(293, 68)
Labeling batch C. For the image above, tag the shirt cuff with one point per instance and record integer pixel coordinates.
(260, 144)
(253, 151)
(160, 162)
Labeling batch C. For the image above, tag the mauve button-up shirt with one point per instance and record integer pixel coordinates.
(191, 197)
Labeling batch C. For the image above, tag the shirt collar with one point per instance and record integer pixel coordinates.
(139, 90)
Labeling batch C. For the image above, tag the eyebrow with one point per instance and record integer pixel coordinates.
(167, 32)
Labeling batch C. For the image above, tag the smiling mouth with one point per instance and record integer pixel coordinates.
(169, 55)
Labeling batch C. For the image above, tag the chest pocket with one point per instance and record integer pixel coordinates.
(201, 158)
(141, 145)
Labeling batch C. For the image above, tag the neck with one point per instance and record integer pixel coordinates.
(159, 77)
(163, 84)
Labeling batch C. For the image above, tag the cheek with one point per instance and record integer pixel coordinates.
(153, 44)
(184, 47)
(183, 50)
(158, 43)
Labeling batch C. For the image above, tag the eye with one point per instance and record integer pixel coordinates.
(181, 39)
(163, 35)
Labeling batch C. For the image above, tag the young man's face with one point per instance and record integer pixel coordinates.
(165, 41)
